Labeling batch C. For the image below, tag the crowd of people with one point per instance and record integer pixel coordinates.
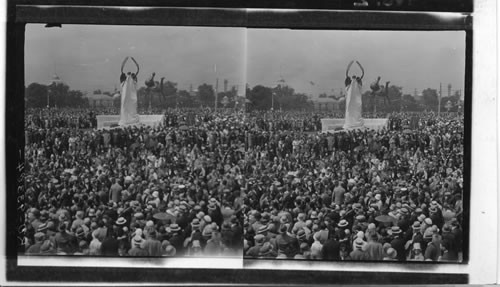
(389, 194)
(267, 184)
(133, 191)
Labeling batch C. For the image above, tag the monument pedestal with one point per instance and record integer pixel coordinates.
(110, 121)
(335, 125)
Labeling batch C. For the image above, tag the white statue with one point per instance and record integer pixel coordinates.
(128, 112)
(353, 103)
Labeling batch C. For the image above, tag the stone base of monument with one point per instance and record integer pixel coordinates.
(336, 125)
(111, 121)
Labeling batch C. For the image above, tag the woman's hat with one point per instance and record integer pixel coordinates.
(121, 221)
(195, 224)
(416, 225)
(394, 230)
(174, 227)
(343, 223)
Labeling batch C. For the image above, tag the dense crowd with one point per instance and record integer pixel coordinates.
(133, 191)
(216, 183)
(390, 194)
(73, 118)
(295, 121)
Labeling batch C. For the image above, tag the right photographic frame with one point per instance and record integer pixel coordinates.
(357, 146)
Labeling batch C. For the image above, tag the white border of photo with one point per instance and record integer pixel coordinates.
(484, 252)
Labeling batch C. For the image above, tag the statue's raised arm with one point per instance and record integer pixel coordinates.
(137, 66)
(123, 77)
(348, 68)
(123, 64)
(362, 70)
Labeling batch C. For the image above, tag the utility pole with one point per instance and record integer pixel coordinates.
(439, 99)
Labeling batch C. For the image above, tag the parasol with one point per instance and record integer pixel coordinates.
(384, 218)
(407, 131)
(163, 216)
(183, 127)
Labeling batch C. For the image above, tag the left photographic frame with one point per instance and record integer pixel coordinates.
(164, 123)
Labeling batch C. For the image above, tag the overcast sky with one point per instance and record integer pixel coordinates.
(88, 57)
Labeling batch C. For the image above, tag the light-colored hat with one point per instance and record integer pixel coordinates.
(343, 223)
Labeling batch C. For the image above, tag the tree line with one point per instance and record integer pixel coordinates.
(282, 97)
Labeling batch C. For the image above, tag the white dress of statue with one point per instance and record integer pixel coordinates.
(353, 103)
(128, 112)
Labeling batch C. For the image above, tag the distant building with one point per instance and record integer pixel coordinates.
(100, 100)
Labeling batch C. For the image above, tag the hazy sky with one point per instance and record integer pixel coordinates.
(88, 57)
